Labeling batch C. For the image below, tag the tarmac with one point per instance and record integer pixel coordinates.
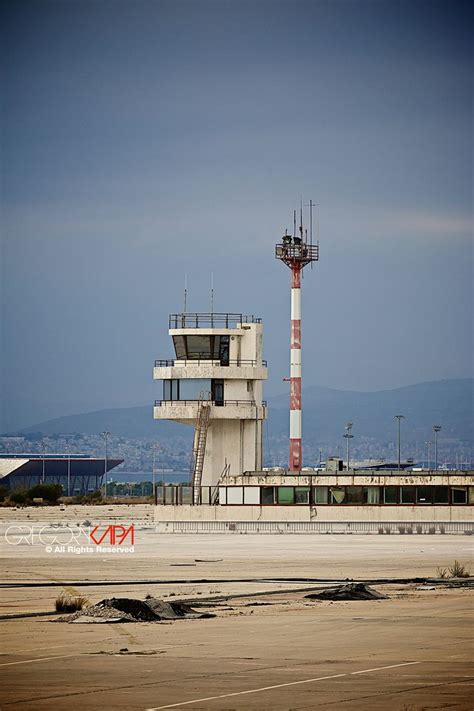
(269, 647)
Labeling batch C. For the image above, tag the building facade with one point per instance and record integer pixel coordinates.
(324, 502)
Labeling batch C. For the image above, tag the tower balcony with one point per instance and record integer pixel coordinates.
(240, 369)
(226, 410)
(210, 320)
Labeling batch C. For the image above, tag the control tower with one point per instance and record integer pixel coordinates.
(215, 384)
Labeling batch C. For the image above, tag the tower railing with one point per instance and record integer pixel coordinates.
(239, 362)
(210, 320)
(158, 403)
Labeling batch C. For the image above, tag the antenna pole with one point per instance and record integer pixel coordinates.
(212, 292)
(296, 254)
(185, 290)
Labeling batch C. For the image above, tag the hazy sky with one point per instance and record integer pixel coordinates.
(146, 140)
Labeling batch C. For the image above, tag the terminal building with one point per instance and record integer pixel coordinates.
(77, 474)
(215, 384)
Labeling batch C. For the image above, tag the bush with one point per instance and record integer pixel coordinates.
(3, 493)
(66, 603)
(48, 492)
(94, 496)
(19, 497)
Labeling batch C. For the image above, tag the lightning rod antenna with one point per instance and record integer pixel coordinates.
(185, 290)
(212, 292)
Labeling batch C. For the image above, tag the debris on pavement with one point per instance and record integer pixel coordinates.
(351, 591)
(131, 610)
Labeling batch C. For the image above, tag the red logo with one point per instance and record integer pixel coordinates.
(114, 535)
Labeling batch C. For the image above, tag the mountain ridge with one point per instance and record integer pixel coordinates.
(448, 402)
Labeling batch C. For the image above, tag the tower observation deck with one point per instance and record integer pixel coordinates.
(218, 360)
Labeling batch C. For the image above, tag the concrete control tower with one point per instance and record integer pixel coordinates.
(215, 384)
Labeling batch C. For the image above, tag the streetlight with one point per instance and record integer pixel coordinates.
(428, 444)
(43, 447)
(68, 467)
(154, 475)
(399, 418)
(105, 435)
(436, 429)
(348, 436)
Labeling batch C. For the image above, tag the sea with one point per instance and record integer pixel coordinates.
(166, 475)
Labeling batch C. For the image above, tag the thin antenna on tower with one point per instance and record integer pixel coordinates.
(311, 206)
(301, 218)
(185, 290)
(212, 292)
(294, 223)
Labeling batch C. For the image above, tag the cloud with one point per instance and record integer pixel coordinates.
(422, 223)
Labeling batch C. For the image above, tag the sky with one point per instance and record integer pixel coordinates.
(142, 141)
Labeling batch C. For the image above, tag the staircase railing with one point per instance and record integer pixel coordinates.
(199, 445)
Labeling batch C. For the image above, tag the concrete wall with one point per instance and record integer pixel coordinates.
(187, 413)
(377, 514)
(207, 370)
(367, 478)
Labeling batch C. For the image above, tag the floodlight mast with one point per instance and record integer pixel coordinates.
(296, 253)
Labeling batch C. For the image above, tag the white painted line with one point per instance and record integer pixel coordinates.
(392, 666)
(39, 659)
(277, 686)
(34, 649)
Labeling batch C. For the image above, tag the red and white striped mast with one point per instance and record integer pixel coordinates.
(296, 253)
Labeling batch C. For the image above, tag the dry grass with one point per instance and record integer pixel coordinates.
(67, 603)
(458, 571)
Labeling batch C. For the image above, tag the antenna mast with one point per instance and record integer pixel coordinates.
(296, 253)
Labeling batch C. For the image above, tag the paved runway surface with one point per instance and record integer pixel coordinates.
(278, 651)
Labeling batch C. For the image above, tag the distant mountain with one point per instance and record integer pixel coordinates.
(123, 422)
(445, 402)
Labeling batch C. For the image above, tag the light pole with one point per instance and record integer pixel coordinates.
(399, 418)
(428, 444)
(436, 429)
(43, 447)
(68, 468)
(154, 475)
(348, 436)
(105, 435)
